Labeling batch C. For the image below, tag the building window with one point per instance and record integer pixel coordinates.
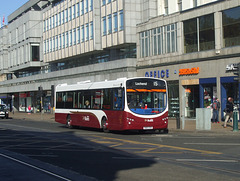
(115, 19)
(87, 32)
(206, 32)
(44, 26)
(70, 38)
(82, 7)
(56, 19)
(190, 36)
(63, 40)
(56, 39)
(144, 43)
(103, 2)
(91, 30)
(66, 14)
(109, 24)
(121, 25)
(67, 39)
(91, 5)
(74, 36)
(50, 23)
(73, 11)
(171, 40)
(78, 35)
(53, 41)
(83, 34)
(35, 53)
(154, 42)
(45, 46)
(194, 3)
(63, 17)
(231, 27)
(59, 18)
(53, 19)
(70, 13)
(50, 44)
(199, 34)
(60, 41)
(86, 8)
(104, 26)
(78, 10)
(166, 6)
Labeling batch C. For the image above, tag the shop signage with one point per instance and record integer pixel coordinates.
(158, 74)
(192, 71)
(232, 67)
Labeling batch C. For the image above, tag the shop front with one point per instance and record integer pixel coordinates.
(196, 85)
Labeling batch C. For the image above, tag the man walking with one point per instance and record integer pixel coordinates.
(229, 111)
(215, 107)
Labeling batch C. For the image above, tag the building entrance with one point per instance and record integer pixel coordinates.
(191, 100)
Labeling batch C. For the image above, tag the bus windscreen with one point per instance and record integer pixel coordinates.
(146, 96)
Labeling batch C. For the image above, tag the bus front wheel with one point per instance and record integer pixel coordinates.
(68, 122)
(104, 125)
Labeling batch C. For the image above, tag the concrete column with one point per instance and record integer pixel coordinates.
(218, 31)
(182, 104)
(180, 37)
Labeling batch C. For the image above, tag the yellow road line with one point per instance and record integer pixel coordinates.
(114, 144)
(160, 145)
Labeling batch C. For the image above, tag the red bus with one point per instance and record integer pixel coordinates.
(122, 104)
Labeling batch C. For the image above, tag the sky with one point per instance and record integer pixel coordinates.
(9, 6)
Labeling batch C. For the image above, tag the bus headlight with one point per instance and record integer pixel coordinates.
(130, 119)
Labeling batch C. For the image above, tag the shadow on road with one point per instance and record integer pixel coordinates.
(71, 152)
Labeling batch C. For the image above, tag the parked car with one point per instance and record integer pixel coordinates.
(3, 111)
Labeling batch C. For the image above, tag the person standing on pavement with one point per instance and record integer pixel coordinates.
(215, 107)
(228, 111)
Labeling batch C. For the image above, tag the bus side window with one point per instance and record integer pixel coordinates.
(69, 100)
(106, 99)
(117, 99)
(59, 103)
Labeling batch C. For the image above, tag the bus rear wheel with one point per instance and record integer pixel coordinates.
(68, 122)
(104, 125)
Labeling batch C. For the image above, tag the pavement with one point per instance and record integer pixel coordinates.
(190, 124)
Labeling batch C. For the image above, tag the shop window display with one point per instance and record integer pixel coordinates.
(173, 94)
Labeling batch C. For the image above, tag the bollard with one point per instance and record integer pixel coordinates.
(235, 120)
(177, 122)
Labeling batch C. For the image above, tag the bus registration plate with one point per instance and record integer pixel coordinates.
(145, 128)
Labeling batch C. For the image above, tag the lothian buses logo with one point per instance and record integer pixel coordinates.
(86, 118)
(155, 83)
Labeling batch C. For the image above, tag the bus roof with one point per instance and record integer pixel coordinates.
(84, 85)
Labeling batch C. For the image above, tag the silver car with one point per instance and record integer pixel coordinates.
(3, 111)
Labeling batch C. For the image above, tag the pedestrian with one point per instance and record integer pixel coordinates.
(215, 106)
(229, 111)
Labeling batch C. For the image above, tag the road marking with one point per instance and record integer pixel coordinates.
(204, 160)
(114, 144)
(159, 145)
(215, 144)
(130, 158)
(32, 166)
(29, 155)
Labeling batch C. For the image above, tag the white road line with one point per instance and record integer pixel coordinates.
(32, 166)
(215, 144)
(205, 160)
